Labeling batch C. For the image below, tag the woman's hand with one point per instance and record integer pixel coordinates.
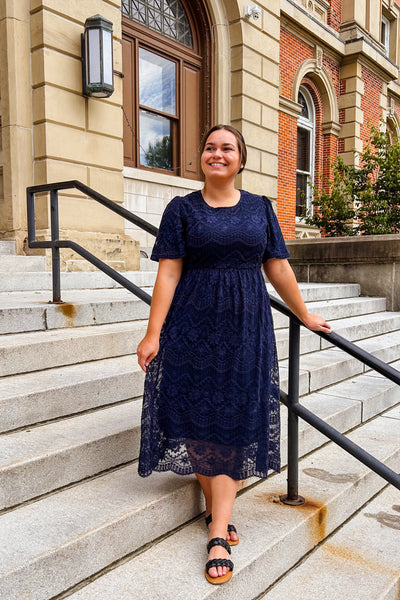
(147, 350)
(316, 323)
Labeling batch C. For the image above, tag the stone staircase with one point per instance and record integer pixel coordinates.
(77, 522)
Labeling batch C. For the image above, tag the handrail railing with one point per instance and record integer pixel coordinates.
(291, 399)
(55, 244)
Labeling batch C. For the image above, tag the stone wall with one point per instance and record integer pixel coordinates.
(373, 261)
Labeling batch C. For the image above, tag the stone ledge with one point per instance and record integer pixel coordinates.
(372, 261)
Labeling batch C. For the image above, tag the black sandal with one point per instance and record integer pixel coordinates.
(219, 562)
(231, 527)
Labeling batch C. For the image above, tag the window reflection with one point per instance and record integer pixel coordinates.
(155, 141)
(157, 82)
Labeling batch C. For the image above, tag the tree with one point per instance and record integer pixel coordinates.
(334, 202)
(364, 200)
(159, 154)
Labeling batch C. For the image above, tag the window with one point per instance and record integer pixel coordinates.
(385, 34)
(305, 153)
(167, 79)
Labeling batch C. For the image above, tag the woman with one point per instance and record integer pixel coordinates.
(211, 399)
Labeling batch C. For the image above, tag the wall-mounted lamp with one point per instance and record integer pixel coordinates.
(252, 11)
(97, 57)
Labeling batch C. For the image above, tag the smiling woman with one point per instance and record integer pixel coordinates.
(167, 49)
(211, 396)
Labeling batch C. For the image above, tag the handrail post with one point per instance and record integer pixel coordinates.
(292, 497)
(55, 252)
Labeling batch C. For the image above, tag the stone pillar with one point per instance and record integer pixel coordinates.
(350, 103)
(16, 165)
(255, 91)
(353, 19)
(77, 137)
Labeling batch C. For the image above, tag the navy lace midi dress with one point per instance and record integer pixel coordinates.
(211, 395)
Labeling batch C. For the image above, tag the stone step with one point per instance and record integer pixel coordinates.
(7, 247)
(361, 560)
(338, 308)
(352, 328)
(27, 352)
(76, 280)
(40, 396)
(81, 530)
(273, 537)
(30, 311)
(332, 365)
(42, 459)
(21, 264)
(32, 351)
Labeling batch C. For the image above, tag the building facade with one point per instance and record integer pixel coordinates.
(302, 79)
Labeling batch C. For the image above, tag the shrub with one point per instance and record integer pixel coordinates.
(361, 200)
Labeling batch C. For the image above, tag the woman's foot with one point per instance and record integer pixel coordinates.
(231, 535)
(219, 567)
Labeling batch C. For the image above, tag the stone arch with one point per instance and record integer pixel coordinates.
(314, 70)
(222, 66)
(393, 121)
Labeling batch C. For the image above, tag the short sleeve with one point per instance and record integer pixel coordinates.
(276, 247)
(170, 241)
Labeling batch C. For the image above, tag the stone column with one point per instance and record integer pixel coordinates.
(16, 165)
(350, 103)
(255, 91)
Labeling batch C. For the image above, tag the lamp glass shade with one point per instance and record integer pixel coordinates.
(97, 63)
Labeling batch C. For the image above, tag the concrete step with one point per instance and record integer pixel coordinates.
(27, 352)
(30, 311)
(54, 393)
(273, 537)
(337, 308)
(352, 328)
(7, 247)
(81, 530)
(42, 459)
(76, 280)
(332, 365)
(22, 264)
(361, 560)
(24, 352)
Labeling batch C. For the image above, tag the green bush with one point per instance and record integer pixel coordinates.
(361, 200)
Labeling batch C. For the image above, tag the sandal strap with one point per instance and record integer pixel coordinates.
(219, 562)
(232, 528)
(217, 541)
(208, 519)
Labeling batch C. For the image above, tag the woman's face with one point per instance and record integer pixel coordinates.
(221, 157)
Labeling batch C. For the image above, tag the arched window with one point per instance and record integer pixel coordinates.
(305, 153)
(167, 82)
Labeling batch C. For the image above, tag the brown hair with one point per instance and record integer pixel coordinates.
(239, 138)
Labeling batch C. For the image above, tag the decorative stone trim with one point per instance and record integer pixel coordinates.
(291, 108)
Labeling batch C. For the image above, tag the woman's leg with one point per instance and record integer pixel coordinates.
(220, 492)
(205, 483)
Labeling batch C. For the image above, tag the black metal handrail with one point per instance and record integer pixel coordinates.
(55, 244)
(291, 399)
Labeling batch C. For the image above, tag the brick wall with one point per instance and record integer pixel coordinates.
(293, 52)
(335, 14)
(287, 174)
(370, 102)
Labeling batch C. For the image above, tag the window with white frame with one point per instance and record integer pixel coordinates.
(305, 153)
(385, 34)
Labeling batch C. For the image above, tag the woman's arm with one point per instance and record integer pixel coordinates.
(280, 274)
(168, 276)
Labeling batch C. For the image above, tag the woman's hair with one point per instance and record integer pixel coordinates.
(239, 138)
